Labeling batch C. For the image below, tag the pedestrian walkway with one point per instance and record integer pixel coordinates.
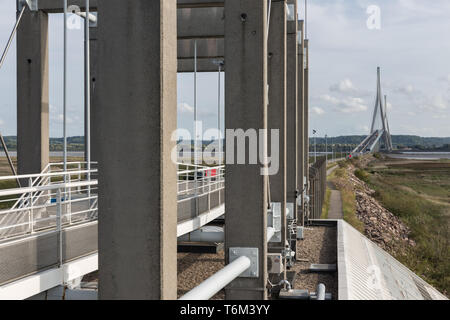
(335, 211)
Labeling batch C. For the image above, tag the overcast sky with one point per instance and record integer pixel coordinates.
(412, 47)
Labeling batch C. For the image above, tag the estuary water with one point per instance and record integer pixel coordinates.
(421, 155)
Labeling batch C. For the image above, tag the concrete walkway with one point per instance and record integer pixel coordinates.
(335, 211)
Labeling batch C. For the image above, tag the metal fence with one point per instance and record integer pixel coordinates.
(200, 188)
(318, 187)
(47, 201)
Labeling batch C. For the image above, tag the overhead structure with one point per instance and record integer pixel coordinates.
(131, 60)
(378, 138)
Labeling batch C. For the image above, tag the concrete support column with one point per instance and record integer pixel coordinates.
(276, 113)
(306, 111)
(293, 126)
(93, 36)
(246, 108)
(301, 120)
(32, 93)
(135, 107)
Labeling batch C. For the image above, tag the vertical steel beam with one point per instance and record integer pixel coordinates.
(136, 103)
(32, 93)
(276, 111)
(306, 110)
(301, 121)
(246, 108)
(293, 125)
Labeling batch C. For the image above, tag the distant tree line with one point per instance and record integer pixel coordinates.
(56, 144)
(341, 143)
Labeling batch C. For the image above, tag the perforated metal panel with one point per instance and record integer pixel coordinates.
(367, 272)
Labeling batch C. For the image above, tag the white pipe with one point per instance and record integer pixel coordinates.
(218, 281)
(270, 233)
(92, 17)
(203, 236)
(320, 292)
(214, 236)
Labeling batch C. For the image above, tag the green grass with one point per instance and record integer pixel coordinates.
(340, 179)
(419, 193)
(326, 205)
(9, 184)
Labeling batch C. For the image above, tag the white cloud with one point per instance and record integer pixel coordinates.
(345, 85)
(185, 108)
(318, 111)
(362, 129)
(346, 105)
(436, 104)
(2, 122)
(407, 90)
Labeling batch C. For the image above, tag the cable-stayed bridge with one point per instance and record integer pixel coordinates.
(379, 136)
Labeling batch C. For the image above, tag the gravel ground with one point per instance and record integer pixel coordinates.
(194, 268)
(320, 247)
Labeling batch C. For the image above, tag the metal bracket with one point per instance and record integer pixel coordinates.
(32, 4)
(253, 255)
(274, 220)
(290, 210)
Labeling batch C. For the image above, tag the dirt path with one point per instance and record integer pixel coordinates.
(335, 211)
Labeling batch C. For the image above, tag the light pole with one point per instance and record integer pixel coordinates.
(326, 148)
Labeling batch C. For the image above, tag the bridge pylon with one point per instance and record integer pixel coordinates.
(381, 110)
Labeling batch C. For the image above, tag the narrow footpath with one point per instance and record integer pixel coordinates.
(335, 212)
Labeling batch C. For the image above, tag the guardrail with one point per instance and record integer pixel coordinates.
(200, 188)
(52, 199)
(33, 208)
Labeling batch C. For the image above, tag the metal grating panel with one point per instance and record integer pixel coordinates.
(367, 272)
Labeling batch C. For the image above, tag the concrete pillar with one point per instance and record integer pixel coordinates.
(302, 168)
(276, 112)
(246, 108)
(293, 126)
(32, 93)
(306, 111)
(93, 36)
(135, 107)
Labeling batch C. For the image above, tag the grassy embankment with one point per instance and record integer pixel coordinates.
(419, 193)
(339, 178)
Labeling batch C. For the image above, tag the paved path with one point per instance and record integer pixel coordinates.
(335, 211)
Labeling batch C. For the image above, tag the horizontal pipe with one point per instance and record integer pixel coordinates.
(218, 236)
(92, 17)
(203, 236)
(208, 288)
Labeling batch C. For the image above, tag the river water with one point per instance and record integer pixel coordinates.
(421, 155)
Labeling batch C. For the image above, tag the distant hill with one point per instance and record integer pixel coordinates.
(56, 144)
(402, 141)
(399, 141)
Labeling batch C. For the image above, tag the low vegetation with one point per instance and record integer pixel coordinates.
(326, 204)
(339, 178)
(419, 194)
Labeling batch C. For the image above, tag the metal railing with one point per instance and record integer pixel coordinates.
(72, 194)
(200, 189)
(52, 199)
